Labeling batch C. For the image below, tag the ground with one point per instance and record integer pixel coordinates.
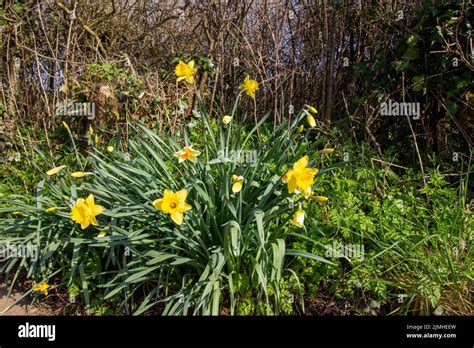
(23, 307)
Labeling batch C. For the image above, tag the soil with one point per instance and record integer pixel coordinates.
(24, 306)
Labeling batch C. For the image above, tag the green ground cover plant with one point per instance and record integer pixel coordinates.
(416, 235)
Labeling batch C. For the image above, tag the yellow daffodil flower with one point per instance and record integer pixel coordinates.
(85, 211)
(80, 174)
(298, 218)
(311, 121)
(55, 170)
(173, 203)
(185, 71)
(187, 153)
(43, 287)
(110, 148)
(249, 86)
(327, 151)
(300, 178)
(238, 183)
(226, 119)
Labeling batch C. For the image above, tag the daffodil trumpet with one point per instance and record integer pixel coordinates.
(187, 153)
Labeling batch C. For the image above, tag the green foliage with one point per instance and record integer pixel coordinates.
(417, 239)
(126, 84)
(429, 65)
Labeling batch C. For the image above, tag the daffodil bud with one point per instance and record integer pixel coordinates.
(321, 199)
(55, 170)
(80, 174)
(298, 218)
(311, 121)
(227, 119)
(327, 151)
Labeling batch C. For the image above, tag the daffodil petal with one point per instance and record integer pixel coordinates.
(182, 194)
(301, 163)
(90, 200)
(177, 217)
(292, 184)
(157, 203)
(97, 209)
